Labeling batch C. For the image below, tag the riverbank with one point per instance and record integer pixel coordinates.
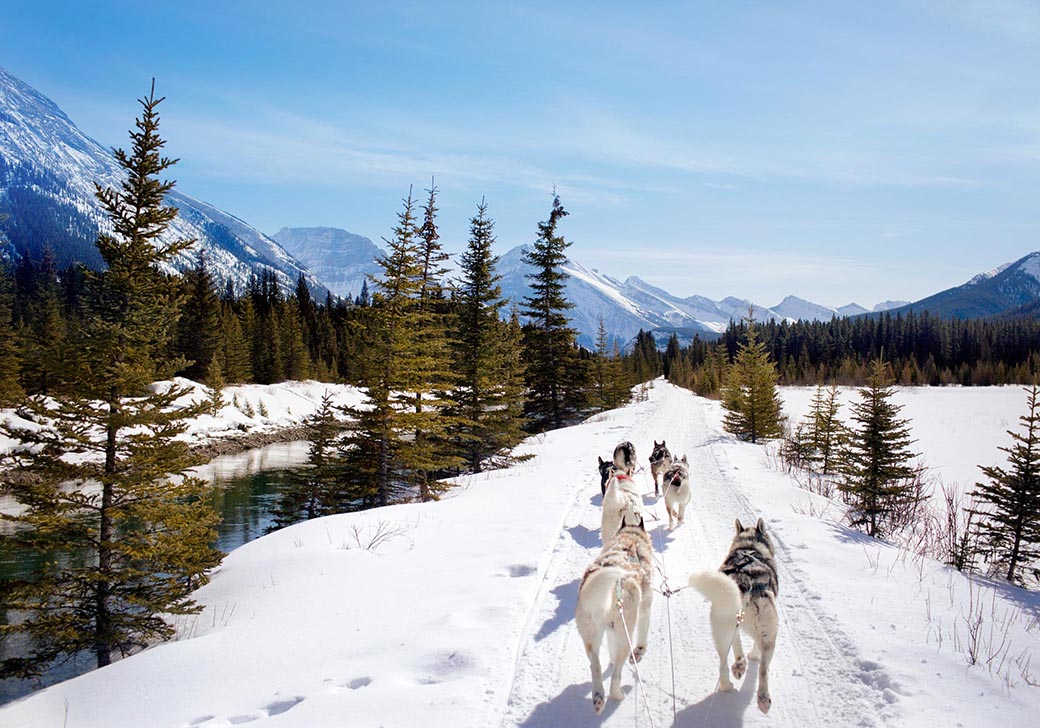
(252, 415)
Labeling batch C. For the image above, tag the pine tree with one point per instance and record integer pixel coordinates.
(433, 357)
(879, 478)
(124, 500)
(1010, 526)
(198, 331)
(315, 490)
(750, 396)
(822, 435)
(10, 361)
(555, 375)
(386, 454)
(488, 398)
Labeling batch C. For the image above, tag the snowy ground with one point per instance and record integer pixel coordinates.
(957, 429)
(463, 614)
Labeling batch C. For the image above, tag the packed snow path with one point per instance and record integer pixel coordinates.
(816, 677)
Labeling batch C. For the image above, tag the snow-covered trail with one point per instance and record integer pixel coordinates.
(816, 676)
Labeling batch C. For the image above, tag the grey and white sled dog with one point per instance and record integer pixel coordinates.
(677, 492)
(660, 461)
(625, 457)
(621, 501)
(743, 595)
(618, 580)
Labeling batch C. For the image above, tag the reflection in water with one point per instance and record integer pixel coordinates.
(247, 488)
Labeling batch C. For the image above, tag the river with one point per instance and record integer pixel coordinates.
(246, 490)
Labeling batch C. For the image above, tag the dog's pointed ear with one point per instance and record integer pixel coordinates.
(656, 445)
(739, 527)
(642, 523)
(684, 459)
(601, 460)
(760, 527)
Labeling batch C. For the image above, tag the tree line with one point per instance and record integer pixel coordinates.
(88, 356)
(920, 350)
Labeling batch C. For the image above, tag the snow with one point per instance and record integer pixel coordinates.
(957, 429)
(463, 615)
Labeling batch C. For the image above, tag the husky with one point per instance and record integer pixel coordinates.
(625, 457)
(618, 580)
(660, 461)
(743, 594)
(677, 492)
(606, 469)
(620, 501)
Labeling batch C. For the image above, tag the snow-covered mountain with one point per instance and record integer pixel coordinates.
(339, 259)
(48, 168)
(1006, 288)
(633, 304)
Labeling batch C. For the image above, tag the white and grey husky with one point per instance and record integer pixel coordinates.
(625, 457)
(660, 461)
(614, 597)
(677, 492)
(743, 595)
(620, 499)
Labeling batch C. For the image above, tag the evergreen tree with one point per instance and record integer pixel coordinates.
(488, 398)
(146, 535)
(823, 434)
(295, 362)
(879, 479)
(45, 333)
(1010, 526)
(10, 361)
(315, 490)
(750, 396)
(198, 330)
(385, 452)
(555, 375)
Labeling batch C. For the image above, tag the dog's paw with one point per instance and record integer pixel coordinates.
(755, 655)
(598, 702)
(637, 654)
(739, 668)
(764, 702)
(725, 686)
(616, 694)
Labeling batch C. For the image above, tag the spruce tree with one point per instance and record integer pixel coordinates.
(390, 449)
(749, 395)
(198, 331)
(10, 361)
(879, 477)
(555, 376)
(1010, 526)
(122, 501)
(315, 490)
(487, 400)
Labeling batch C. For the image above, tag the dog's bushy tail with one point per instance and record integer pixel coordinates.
(599, 592)
(720, 590)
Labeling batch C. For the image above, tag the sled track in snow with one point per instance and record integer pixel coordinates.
(817, 678)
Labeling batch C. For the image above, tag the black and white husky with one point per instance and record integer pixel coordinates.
(660, 461)
(614, 597)
(625, 457)
(743, 595)
(621, 503)
(677, 492)
(606, 469)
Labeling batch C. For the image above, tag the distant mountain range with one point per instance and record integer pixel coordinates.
(48, 168)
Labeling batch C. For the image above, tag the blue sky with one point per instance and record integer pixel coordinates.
(836, 151)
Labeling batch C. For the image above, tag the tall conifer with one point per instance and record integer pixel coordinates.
(750, 396)
(556, 377)
(123, 501)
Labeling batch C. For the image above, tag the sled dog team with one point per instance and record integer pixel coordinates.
(616, 590)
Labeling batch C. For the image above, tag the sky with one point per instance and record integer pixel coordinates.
(835, 151)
